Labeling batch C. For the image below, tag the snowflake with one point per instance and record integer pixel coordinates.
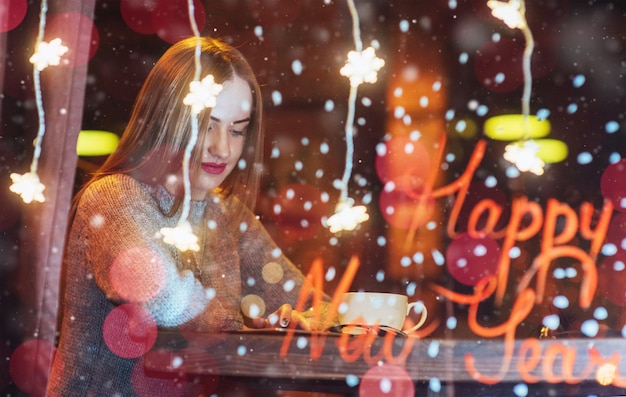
(347, 217)
(524, 156)
(362, 67)
(181, 237)
(202, 94)
(28, 187)
(510, 12)
(48, 54)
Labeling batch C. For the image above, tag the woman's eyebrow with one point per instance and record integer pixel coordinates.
(234, 122)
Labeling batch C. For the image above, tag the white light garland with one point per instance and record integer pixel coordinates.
(202, 95)
(523, 155)
(28, 185)
(362, 66)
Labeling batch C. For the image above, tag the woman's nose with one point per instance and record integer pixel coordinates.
(219, 146)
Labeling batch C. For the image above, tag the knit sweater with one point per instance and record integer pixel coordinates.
(116, 257)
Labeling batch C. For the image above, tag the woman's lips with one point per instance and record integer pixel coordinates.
(213, 168)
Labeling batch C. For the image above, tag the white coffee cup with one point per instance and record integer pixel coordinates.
(378, 309)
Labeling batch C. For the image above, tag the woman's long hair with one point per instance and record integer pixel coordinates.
(153, 143)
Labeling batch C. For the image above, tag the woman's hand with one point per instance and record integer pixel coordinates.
(282, 318)
(286, 317)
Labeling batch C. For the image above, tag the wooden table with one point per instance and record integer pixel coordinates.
(338, 363)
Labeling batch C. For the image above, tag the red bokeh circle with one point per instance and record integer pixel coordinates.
(616, 233)
(470, 259)
(612, 184)
(138, 15)
(129, 330)
(29, 365)
(170, 19)
(15, 10)
(404, 211)
(71, 28)
(406, 162)
(137, 274)
(386, 380)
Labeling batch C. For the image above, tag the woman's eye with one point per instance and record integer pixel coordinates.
(238, 132)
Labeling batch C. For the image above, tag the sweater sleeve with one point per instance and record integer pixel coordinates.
(268, 277)
(130, 262)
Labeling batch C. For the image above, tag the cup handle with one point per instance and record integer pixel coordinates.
(422, 319)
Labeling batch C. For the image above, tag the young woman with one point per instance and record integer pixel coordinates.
(116, 257)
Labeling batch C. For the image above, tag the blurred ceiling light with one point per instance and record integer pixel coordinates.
(511, 127)
(551, 150)
(96, 143)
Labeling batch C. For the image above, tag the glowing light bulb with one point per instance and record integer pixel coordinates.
(202, 94)
(511, 12)
(524, 155)
(181, 236)
(48, 54)
(347, 217)
(28, 187)
(362, 66)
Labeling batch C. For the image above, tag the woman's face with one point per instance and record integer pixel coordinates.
(223, 142)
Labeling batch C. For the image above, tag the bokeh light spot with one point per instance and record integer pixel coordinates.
(252, 306)
(65, 26)
(480, 256)
(386, 379)
(29, 364)
(612, 184)
(137, 15)
(170, 19)
(15, 10)
(403, 211)
(129, 330)
(137, 274)
(405, 161)
(272, 272)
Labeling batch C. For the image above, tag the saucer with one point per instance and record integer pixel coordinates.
(357, 329)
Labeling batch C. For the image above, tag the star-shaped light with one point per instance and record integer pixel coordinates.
(181, 236)
(48, 54)
(28, 187)
(202, 94)
(347, 217)
(524, 156)
(510, 12)
(362, 67)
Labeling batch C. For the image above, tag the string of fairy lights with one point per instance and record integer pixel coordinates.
(524, 152)
(28, 185)
(202, 95)
(362, 66)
